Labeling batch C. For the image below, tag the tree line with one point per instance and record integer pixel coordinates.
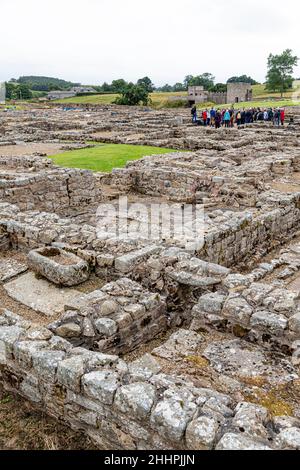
(207, 80)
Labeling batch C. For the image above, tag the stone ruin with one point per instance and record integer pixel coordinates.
(146, 344)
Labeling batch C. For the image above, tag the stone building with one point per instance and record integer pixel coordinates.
(59, 95)
(239, 92)
(83, 89)
(197, 94)
(236, 93)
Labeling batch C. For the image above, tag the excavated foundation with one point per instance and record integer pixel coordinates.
(145, 342)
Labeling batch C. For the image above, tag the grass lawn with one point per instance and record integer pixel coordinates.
(105, 157)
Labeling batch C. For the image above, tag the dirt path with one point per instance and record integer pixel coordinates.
(29, 148)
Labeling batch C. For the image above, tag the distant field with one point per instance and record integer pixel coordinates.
(92, 99)
(261, 97)
(158, 99)
(259, 92)
(105, 157)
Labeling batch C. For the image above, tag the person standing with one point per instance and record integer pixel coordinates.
(277, 117)
(194, 113)
(208, 117)
(222, 116)
(226, 118)
(218, 119)
(204, 117)
(282, 116)
(231, 117)
(238, 118)
(248, 116)
(271, 114)
(212, 117)
(243, 116)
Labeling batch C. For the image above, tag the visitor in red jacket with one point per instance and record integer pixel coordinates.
(282, 116)
(204, 117)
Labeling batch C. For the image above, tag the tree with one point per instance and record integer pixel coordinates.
(106, 87)
(117, 86)
(18, 91)
(24, 92)
(243, 79)
(133, 95)
(10, 88)
(219, 88)
(147, 83)
(280, 70)
(38, 83)
(165, 88)
(178, 87)
(187, 81)
(206, 80)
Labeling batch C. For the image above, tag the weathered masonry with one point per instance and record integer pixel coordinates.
(146, 343)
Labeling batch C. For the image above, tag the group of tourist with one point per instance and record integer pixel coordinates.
(228, 117)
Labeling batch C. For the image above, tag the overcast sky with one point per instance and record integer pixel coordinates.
(91, 41)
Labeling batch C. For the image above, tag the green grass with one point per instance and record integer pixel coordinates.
(261, 98)
(105, 157)
(158, 99)
(260, 92)
(92, 99)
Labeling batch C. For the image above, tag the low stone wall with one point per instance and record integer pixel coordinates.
(174, 184)
(34, 163)
(134, 405)
(237, 239)
(115, 319)
(262, 313)
(227, 242)
(56, 190)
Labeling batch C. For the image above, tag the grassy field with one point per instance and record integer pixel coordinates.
(261, 98)
(260, 92)
(105, 157)
(92, 99)
(157, 99)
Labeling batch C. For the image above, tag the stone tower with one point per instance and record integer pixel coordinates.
(238, 92)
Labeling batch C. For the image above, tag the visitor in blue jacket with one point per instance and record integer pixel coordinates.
(227, 118)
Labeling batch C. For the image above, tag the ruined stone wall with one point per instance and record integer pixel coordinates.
(262, 313)
(242, 91)
(230, 245)
(115, 319)
(218, 98)
(225, 243)
(34, 163)
(133, 405)
(56, 190)
(174, 184)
